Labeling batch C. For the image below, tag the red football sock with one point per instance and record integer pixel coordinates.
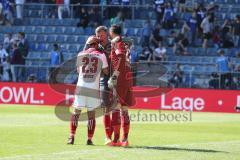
(91, 128)
(116, 123)
(107, 125)
(74, 124)
(125, 124)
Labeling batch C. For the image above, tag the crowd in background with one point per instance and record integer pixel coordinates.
(13, 53)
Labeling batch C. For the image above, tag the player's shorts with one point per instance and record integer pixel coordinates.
(81, 102)
(207, 36)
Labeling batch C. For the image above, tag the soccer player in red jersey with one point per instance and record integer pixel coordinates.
(121, 81)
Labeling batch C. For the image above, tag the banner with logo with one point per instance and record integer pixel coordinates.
(200, 100)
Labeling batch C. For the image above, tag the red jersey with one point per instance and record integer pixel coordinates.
(118, 52)
(124, 82)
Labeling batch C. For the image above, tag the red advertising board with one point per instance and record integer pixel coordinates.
(200, 100)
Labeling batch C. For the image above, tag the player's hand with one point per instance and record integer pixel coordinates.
(112, 82)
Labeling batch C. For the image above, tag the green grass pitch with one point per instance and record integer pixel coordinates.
(35, 133)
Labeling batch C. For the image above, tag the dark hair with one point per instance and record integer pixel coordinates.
(22, 34)
(116, 29)
(55, 46)
(15, 45)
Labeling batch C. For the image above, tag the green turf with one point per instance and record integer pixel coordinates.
(28, 132)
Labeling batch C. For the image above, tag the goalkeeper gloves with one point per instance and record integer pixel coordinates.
(112, 82)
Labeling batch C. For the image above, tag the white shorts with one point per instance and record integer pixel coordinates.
(81, 102)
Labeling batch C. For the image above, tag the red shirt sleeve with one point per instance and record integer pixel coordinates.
(120, 49)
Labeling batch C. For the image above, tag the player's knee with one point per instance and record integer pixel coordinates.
(76, 111)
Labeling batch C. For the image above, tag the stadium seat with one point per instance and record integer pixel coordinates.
(211, 52)
(38, 30)
(44, 55)
(73, 48)
(69, 30)
(51, 39)
(49, 30)
(33, 55)
(129, 32)
(79, 31)
(40, 39)
(81, 39)
(40, 47)
(61, 39)
(35, 22)
(59, 30)
(71, 39)
(88, 31)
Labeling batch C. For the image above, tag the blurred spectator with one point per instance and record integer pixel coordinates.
(56, 56)
(236, 31)
(192, 24)
(63, 7)
(216, 37)
(155, 36)
(67, 7)
(133, 54)
(159, 54)
(17, 59)
(146, 54)
(60, 5)
(185, 30)
(211, 8)
(5, 72)
(7, 11)
(214, 81)
(227, 37)
(19, 8)
(125, 2)
(1, 7)
(32, 78)
(51, 9)
(159, 9)
(200, 10)
(177, 77)
(23, 44)
(224, 70)
(7, 42)
(181, 44)
(126, 9)
(146, 33)
(168, 18)
(84, 18)
(118, 20)
(2, 20)
(238, 55)
(206, 28)
(172, 39)
(3, 54)
(238, 77)
(94, 20)
(181, 6)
